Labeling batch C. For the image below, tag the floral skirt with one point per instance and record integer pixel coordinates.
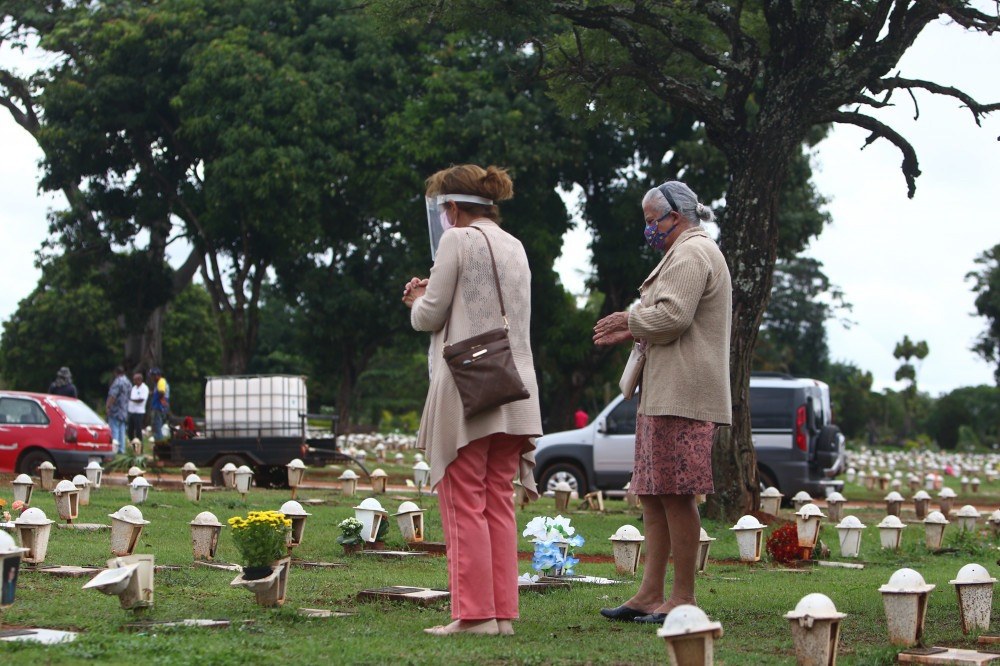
(673, 456)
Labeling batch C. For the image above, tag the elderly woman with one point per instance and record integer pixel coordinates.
(474, 460)
(683, 322)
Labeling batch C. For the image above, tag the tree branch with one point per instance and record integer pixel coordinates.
(892, 83)
(880, 130)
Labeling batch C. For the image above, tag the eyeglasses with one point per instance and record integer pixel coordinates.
(670, 201)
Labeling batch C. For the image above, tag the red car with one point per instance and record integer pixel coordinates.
(35, 427)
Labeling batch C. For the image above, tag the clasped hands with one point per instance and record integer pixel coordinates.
(413, 290)
(612, 330)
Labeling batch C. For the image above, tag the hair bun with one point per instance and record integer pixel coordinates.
(704, 213)
(497, 183)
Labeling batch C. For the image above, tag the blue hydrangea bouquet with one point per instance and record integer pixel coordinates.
(556, 542)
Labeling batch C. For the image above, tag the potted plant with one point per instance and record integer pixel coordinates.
(260, 538)
(556, 542)
(350, 535)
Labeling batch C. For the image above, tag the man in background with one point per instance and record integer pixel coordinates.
(159, 406)
(138, 396)
(116, 407)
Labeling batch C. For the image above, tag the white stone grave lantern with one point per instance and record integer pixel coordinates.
(67, 500)
(242, 477)
(770, 500)
(296, 472)
(689, 636)
(270, 590)
(562, 492)
(934, 525)
(410, 519)
(704, 545)
(851, 475)
(380, 452)
(418, 457)
(994, 521)
(47, 475)
(913, 482)
(974, 586)
(873, 479)
(23, 485)
(896, 485)
(626, 544)
(945, 499)
(964, 484)
(835, 506)
(348, 483)
(205, 531)
(380, 479)
(189, 468)
(893, 502)
(192, 487)
(83, 485)
(33, 530)
(905, 600)
(10, 564)
(94, 473)
(399, 458)
(967, 517)
(371, 514)
(748, 537)
(294, 512)
(128, 578)
(800, 499)
(229, 475)
(126, 526)
(921, 501)
(815, 630)
(361, 456)
(139, 489)
(134, 472)
(849, 531)
(974, 484)
(929, 481)
(883, 481)
(421, 473)
(807, 525)
(890, 531)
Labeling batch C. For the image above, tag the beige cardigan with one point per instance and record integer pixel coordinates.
(461, 283)
(685, 316)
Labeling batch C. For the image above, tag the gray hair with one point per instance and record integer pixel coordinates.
(686, 200)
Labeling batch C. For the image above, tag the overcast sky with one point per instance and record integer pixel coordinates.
(901, 262)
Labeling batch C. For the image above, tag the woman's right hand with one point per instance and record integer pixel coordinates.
(612, 330)
(413, 290)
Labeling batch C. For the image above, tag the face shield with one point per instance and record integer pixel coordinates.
(437, 218)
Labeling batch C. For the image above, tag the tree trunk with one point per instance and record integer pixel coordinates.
(750, 247)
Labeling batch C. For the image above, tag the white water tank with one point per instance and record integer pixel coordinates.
(252, 406)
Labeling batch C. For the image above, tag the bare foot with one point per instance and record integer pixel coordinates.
(505, 627)
(486, 627)
(672, 603)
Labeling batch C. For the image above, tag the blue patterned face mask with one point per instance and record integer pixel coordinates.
(655, 238)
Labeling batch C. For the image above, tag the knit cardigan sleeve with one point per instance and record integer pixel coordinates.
(430, 311)
(675, 293)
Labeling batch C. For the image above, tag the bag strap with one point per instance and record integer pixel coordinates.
(496, 281)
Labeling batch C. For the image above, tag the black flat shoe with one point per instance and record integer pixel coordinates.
(652, 618)
(622, 613)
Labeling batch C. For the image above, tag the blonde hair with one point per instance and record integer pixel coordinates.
(491, 183)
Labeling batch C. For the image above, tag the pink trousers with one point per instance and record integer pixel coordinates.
(477, 510)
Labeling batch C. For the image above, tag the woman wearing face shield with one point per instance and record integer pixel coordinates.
(474, 460)
(683, 322)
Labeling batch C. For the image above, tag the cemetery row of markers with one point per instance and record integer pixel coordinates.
(687, 631)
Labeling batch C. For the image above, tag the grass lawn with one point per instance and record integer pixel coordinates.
(561, 627)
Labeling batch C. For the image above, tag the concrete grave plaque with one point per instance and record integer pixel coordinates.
(63, 571)
(947, 657)
(321, 613)
(44, 636)
(394, 554)
(419, 595)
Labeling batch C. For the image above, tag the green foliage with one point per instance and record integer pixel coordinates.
(855, 405)
(975, 408)
(191, 349)
(986, 286)
(350, 532)
(65, 320)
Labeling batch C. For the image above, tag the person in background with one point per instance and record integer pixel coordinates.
(581, 419)
(63, 384)
(159, 405)
(683, 323)
(116, 407)
(138, 395)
